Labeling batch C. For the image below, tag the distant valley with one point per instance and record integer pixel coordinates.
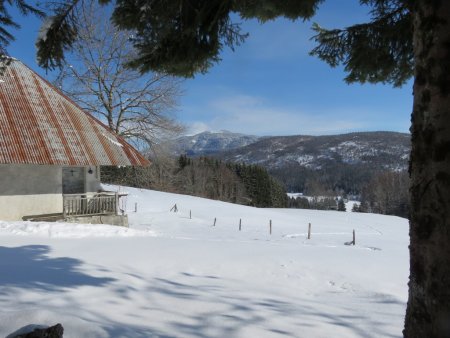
(312, 164)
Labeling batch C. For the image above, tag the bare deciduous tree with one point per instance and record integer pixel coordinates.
(138, 107)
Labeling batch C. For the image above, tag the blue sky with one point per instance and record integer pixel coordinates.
(271, 86)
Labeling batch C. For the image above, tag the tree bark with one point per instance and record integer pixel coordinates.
(428, 311)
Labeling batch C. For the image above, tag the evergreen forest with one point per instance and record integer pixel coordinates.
(204, 177)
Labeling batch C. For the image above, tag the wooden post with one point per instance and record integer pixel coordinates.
(190, 214)
(214, 222)
(270, 227)
(309, 230)
(135, 207)
(354, 237)
(240, 224)
(116, 197)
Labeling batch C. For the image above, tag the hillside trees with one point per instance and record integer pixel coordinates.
(341, 205)
(335, 178)
(298, 202)
(209, 178)
(204, 177)
(158, 176)
(136, 106)
(263, 190)
(387, 193)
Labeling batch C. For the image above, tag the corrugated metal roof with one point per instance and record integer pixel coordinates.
(40, 125)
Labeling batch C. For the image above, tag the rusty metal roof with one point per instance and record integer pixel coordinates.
(40, 125)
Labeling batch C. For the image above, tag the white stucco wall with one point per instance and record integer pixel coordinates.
(35, 189)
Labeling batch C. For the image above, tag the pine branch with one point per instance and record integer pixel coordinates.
(56, 35)
(378, 51)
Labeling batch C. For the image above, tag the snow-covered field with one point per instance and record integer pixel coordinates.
(172, 276)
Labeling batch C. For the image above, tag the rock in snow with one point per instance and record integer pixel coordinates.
(55, 331)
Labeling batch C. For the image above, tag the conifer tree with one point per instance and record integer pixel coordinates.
(341, 205)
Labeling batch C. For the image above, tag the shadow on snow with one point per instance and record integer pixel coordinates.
(31, 267)
(193, 305)
(206, 308)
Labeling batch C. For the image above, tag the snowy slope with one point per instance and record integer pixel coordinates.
(172, 276)
(388, 150)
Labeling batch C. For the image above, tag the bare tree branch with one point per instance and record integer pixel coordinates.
(135, 106)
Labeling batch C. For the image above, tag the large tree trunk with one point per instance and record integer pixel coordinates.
(428, 312)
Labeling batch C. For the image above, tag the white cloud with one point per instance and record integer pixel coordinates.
(252, 115)
(196, 128)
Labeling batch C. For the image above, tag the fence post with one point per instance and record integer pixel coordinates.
(190, 214)
(270, 227)
(240, 224)
(309, 230)
(214, 222)
(116, 197)
(354, 237)
(135, 207)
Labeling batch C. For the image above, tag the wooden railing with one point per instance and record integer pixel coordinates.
(90, 204)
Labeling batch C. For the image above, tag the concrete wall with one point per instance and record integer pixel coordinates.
(35, 189)
(121, 220)
(92, 182)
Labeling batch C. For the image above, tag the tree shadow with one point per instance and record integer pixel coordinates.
(190, 305)
(31, 267)
(230, 313)
(135, 332)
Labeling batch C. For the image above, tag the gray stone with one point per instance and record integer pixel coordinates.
(55, 331)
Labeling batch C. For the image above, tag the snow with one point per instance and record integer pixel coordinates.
(349, 144)
(174, 276)
(295, 194)
(61, 230)
(112, 141)
(349, 205)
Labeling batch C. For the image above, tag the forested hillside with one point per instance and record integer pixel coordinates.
(204, 177)
(314, 165)
(318, 164)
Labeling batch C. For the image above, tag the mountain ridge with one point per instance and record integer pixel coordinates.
(389, 150)
(208, 143)
(305, 163)
(382, 148)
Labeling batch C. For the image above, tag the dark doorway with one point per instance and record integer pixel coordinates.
(73, 180)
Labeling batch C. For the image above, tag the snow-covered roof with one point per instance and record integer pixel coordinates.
(40, 125)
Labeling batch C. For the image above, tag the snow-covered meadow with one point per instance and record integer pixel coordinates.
(170, 275)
